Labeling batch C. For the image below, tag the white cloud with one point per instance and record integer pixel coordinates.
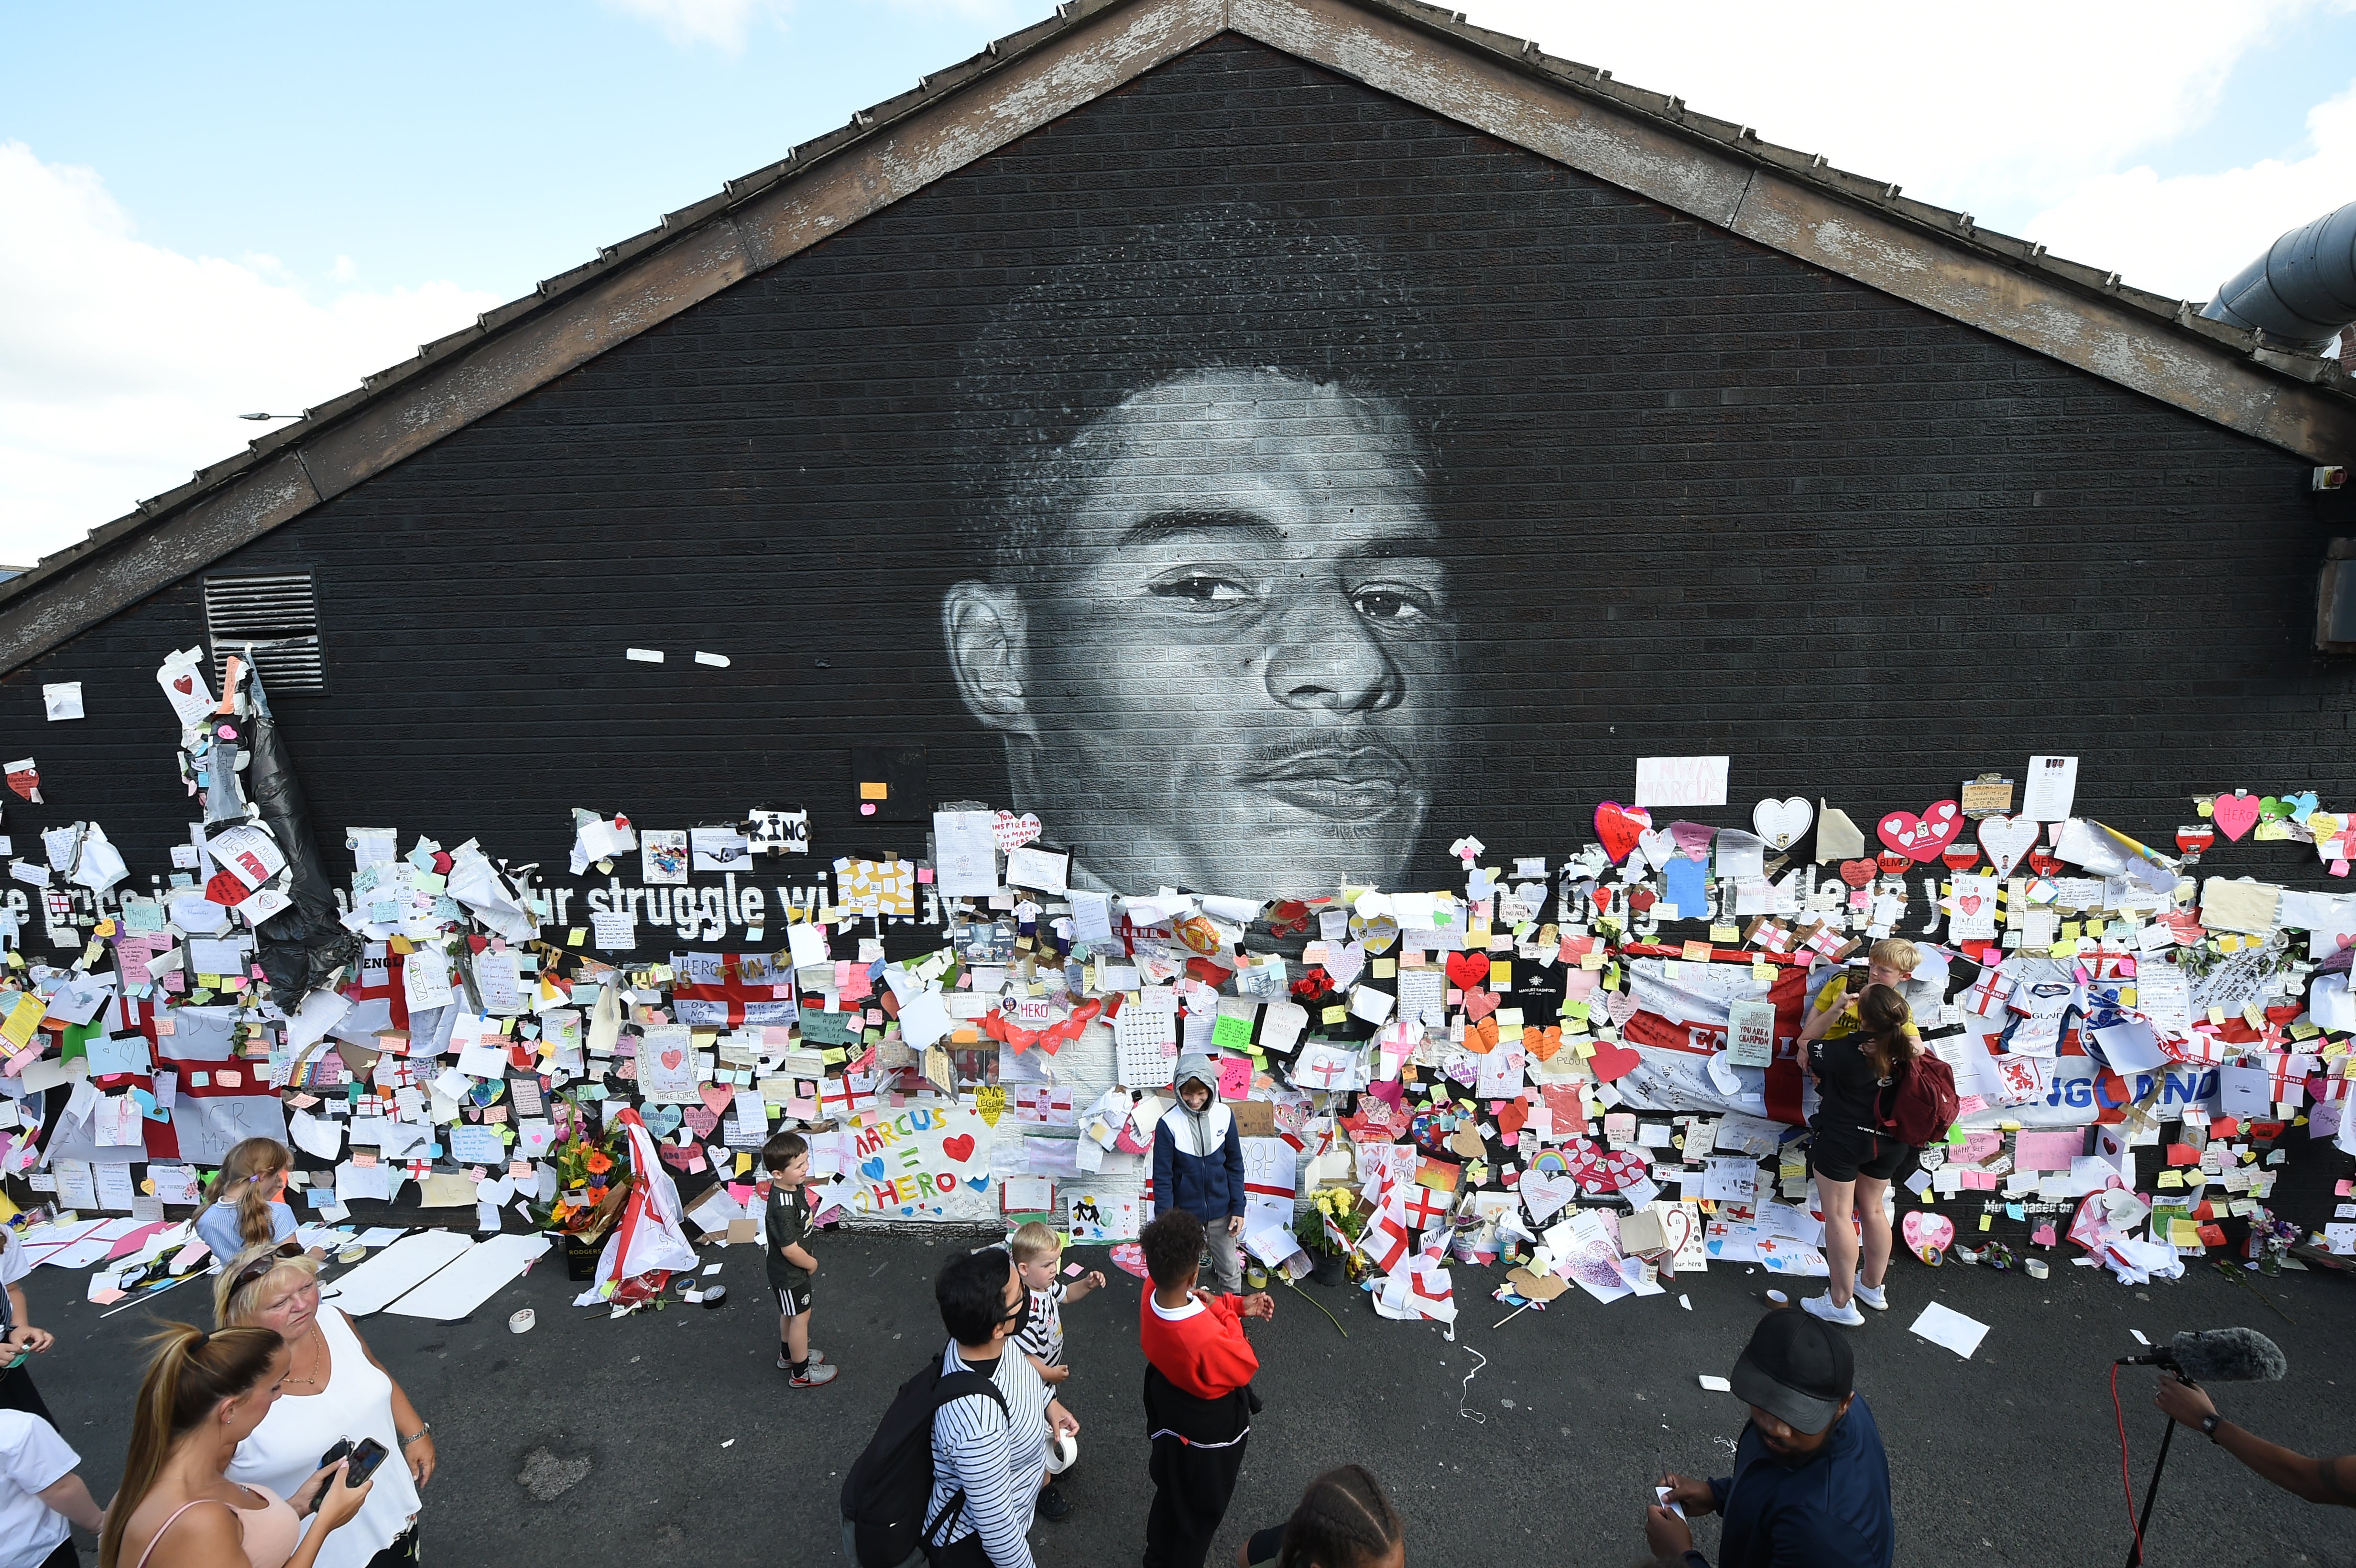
(122, 364)
(2027, 113)
(2189, 233)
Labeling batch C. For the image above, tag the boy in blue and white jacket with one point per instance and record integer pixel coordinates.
(1198, 1165)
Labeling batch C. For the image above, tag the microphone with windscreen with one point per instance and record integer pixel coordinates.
(2217, 1356)
(2211, 1356)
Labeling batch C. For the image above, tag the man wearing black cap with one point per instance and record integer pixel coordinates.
(1810, 1482)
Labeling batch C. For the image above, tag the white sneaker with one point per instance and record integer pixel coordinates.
(1822, 1307)
(1867, 1296)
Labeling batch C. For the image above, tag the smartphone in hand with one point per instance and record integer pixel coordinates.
(367, 1455)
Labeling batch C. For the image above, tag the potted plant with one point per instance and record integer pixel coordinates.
(1326, 1230)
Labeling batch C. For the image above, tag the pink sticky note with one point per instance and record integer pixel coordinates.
(1235, 1077)
(1073, 1271)
(2042, 1235)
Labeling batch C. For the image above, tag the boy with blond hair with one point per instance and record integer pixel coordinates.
(1890, 962)
(1037, 1250)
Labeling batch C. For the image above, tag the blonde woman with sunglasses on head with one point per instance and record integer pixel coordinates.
(337, 1391)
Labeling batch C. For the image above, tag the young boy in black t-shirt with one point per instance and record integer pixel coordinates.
(791, 1263)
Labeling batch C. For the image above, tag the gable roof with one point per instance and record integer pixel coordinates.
(1712, 170)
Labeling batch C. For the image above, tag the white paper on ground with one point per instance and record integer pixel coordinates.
(1945, 1325)
(394, 1271)
(455, 1291)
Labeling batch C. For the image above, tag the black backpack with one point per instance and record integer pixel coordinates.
(890, 1486)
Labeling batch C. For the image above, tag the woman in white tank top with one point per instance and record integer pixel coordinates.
(335, 1391)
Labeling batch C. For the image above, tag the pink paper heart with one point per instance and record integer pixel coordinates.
(1621, 1005)
(1922, 837)
(1480, 1003)
(700, 1120)
(719, 1096)
(1924, 1229)
(2236, 814)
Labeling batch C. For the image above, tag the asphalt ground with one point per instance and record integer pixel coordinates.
(669, 1436)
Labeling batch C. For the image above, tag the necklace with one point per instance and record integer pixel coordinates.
(313, 1380)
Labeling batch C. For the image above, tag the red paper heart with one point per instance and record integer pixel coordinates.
(2236, 814)
(1613, 1062)
(226, 890)
(673, 1057)
(1542, 1044)
(719, 1096)
(1857, 873)
(1513, 1116)
(1969, 903)
(2044, 864)
(1891, 862)
(1466, 970)
(1641, 897)
(700, 1119)
(958, 1146)
(1600, 898)
(2195, 840)
(1961, 857)
(186, 686)
(1620, 826)
(1478, 1004)
(1922, 838)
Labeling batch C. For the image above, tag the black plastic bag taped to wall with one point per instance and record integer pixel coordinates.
(305, 942)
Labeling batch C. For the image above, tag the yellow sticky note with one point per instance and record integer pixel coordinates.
(2216, 1015)
(1335, 1015)
(1384, 968)
(24, 1016)
(1985, 1221)
(2183, 1233)
(1696, 951)
(1763, 971)
(1590, 960)
(1500, 976)
(1725, 935)
(2071, 930)
(874, 790)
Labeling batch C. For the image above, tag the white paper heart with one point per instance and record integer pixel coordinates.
(1012, 832)
(1544, 1196)
(1621, 1005)
(1659, 846)
(1532, 894)
(1782, 823)
(1344, 963)
(2007, 840)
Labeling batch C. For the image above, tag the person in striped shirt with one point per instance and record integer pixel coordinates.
(988, 1463)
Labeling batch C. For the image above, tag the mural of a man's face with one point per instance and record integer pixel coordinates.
(1229, 665)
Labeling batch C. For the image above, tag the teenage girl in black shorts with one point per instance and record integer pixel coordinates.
(1854, 1160)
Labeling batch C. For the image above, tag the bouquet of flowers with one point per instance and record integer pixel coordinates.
(593, 1179)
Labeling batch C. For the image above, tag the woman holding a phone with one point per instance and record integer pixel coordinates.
(202, 1395)
(337, 1402)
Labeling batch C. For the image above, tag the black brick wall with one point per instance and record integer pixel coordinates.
(1701, 498)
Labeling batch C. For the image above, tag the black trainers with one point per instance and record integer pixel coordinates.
(1055, 1505)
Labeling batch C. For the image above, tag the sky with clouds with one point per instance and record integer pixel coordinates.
(206, 211)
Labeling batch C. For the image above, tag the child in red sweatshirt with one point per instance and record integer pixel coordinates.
(1198, 1396)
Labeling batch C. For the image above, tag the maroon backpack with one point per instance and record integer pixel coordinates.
(1921, 1106)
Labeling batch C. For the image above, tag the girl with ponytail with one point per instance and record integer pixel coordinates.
(246, 1207)
(1854, 1156)
(1344, 1520)
(202, 1394)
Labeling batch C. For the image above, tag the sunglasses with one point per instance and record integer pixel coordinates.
(264, 1264)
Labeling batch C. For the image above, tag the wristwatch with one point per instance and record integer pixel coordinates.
(2209, 1425)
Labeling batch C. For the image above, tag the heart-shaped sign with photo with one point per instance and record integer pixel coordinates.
(2235, 813)
(1961, 857)
(1544, 1196)
(1466, 970)
(1926, 1231)
(1012, 832)
(2044, 863)
(1783, 823)
(1922, 838)
(2006, 839)
(1130, 1258)
(1659, 845)
(1857, 873)
(1619, 827)
(1611, 1062)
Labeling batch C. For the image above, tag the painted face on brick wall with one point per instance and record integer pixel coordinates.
(1231, 662)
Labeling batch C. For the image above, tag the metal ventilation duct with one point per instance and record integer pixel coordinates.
(2303, 289)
